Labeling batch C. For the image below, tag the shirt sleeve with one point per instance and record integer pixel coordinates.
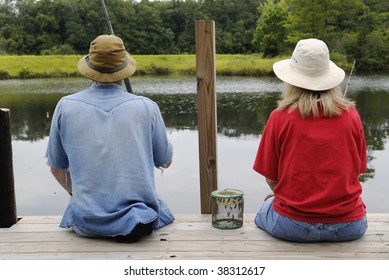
(362, 147)
(55, 153)
(162, 148)
(266, 161)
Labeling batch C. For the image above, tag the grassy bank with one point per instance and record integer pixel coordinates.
(24, 67)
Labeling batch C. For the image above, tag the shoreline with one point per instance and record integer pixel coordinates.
(65, 66)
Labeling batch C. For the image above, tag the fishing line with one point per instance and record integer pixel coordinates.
(349, 77)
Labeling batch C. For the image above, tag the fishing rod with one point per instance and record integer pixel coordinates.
(349, 77)
(126, 80)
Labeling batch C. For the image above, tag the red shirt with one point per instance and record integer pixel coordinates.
(316, 162)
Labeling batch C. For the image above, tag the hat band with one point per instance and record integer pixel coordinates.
(105, 69)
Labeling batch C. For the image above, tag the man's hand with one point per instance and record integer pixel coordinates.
(167, 164)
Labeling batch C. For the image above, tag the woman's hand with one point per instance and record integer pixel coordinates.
(269, 196)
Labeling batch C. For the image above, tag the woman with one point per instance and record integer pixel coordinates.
(311, 153)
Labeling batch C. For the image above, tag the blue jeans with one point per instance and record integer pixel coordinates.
(285, 228)
(84, 232)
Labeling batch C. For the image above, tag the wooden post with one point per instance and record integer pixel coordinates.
(7, 189)
(206, 106)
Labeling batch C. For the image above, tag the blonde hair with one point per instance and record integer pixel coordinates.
(307, 101)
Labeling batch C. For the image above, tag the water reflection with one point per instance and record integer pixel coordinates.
(244, 105)
(373, 107)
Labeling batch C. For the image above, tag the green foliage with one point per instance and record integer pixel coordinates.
(271, 31)
(146, 27)
(235, 23)
(357, 29)
(65, 49)
(4, 75)
(153, 38)
(38, 66)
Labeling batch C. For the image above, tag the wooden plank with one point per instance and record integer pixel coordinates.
(173, 255)
(180, 226)
(201, 218)
(206, 107)
(168, 236)
(40, 220)
(197, 223)
(189, 237)
(231, 246)
(155, 250)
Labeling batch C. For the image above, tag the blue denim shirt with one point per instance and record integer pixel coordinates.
(110, 141)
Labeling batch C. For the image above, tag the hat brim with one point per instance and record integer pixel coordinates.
(94, 75)
(331, 79)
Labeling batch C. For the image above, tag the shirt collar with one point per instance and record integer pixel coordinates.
(98, 85)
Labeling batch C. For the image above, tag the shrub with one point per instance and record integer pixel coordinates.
(61, 50)
(4, 75)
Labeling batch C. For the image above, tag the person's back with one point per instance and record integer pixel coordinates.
(311, 152)
(110, 141)
(317, 162)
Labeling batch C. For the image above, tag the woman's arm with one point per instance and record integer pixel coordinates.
(272, 184)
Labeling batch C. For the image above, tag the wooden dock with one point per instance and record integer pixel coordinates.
(189, 237)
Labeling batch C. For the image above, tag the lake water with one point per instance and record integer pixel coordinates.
(243, 107)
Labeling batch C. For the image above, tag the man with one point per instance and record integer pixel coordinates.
(104, 144)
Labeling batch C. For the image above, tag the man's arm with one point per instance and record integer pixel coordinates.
(63, 177)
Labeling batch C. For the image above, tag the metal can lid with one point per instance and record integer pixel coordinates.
(227, 193)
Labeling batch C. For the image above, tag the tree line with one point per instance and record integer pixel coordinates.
(353, 29)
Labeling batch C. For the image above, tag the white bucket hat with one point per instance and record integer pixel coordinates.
(310, 67)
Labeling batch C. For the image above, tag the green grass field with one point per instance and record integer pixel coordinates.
(66, 66)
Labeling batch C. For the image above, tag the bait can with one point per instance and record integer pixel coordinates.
(227, 209)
